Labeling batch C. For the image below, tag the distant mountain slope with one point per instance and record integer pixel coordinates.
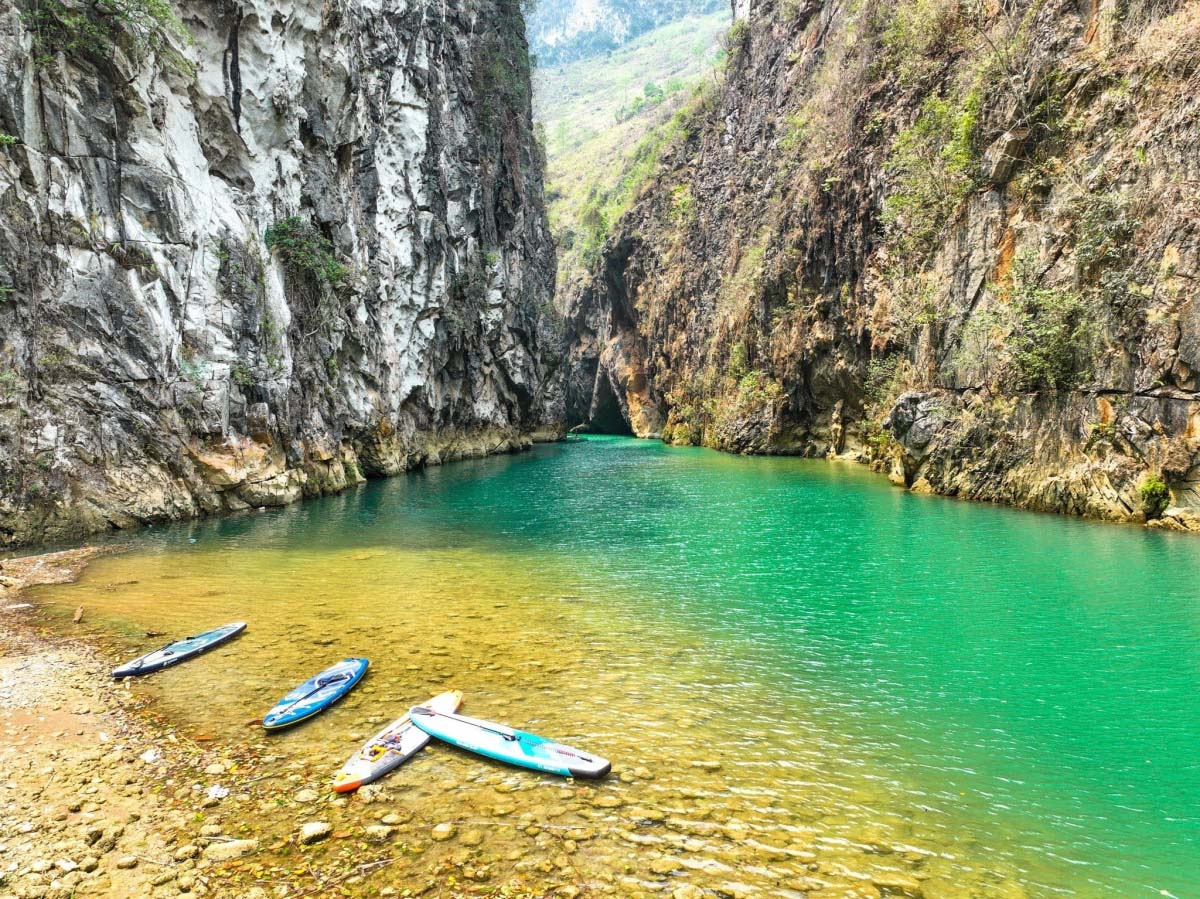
(596, 111)
(562, 31)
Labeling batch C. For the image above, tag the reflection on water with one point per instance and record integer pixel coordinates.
(804, 678)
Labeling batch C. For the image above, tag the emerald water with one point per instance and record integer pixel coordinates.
(805, 678)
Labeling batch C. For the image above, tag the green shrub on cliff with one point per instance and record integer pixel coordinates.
(150, 26)
(757, 388)
(737, 361)
(1104, 232)
(934, 167)
(683, 205)
(1055, 332)
(242, 374)
(8, 384)
(502, 70)
(737, 39)
(747, 409)
(305, 250)
(887, 377)
(1156, 496)
(919, 33)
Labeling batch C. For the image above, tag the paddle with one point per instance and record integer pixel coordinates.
(422, 710)
(320, 685)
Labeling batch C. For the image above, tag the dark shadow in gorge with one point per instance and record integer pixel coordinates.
(607, 415)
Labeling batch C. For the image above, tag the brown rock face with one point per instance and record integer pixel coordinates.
(960, 242)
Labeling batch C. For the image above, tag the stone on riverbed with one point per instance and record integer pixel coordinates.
(315, 831)
(183, 853)
(379, 833)
(223, 852)
(127, 862)
(443, 832)
(307, 796)
(897, 881)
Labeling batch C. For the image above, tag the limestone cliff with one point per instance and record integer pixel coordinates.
(957, 240)
(254, 250)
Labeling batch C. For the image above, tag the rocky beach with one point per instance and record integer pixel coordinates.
(107, 797)
(104, 798)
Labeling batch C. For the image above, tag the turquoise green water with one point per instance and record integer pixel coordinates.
(1009, 701)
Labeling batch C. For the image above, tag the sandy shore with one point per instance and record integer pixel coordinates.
(102, 798)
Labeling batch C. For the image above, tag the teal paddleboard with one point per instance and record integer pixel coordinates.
(503, 743)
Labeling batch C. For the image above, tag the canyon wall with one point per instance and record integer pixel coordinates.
(252, 251)
(958, 240)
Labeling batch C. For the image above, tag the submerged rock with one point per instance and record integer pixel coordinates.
(226, 851)
(314, 831)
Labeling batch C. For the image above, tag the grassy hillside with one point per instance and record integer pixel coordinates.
(562, 31)
(596, 111)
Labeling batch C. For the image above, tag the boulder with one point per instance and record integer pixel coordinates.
(227, 851)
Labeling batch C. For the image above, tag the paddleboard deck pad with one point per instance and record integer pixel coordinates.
(503, 743)
(179, 651)
(316, 694)
(391, 747)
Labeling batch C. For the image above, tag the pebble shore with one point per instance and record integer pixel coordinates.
(102, 798)
(104, 795)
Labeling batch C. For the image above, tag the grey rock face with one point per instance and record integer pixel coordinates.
(914, 421)
(316, 252)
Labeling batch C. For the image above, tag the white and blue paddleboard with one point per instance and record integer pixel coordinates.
(497, 741)
(179, 651)
(316, 694)
(391, 747)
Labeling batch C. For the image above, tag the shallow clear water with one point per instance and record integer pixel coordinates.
(824, 679)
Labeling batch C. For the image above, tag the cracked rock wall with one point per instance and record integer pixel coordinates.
(958, 241)
(161, 358)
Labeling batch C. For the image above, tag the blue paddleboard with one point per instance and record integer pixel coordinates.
(179, 651)
(497, 741)
(316, 694)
